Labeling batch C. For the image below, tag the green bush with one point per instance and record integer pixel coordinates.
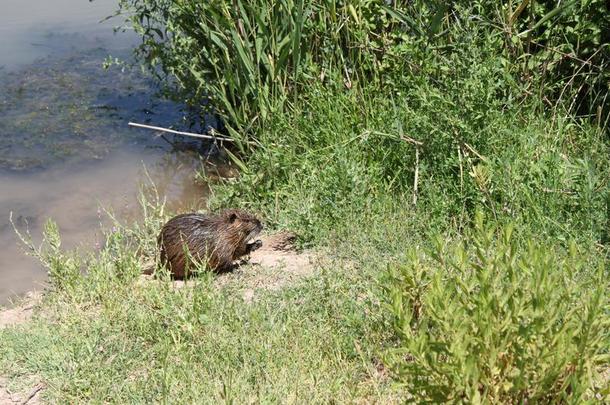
(494, 322)
(337, 157)
(561, 50)
(245, 58)
(558, 52)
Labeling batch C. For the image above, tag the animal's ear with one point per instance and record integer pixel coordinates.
(232, 217)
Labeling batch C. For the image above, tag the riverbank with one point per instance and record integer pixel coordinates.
(64, 139)
(456, 204)
(275, 266)
(279, 310)
(289, 325)
(394, 297)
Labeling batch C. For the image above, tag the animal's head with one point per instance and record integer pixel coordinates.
(247, 225)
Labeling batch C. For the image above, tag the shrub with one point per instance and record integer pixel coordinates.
(561, 50)
(245, 58)
(338, 157)
(495, 322)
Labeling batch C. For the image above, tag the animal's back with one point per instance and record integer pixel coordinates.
(216, 239)
(183, 235)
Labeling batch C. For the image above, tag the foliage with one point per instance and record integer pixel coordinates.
(493, 322)
(562, 51)
(337, 158)
(375, 124)
(245, 58)
(105, 335)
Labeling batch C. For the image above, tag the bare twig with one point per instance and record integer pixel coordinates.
(570, 56)
(32, 394)
(459, 150)
(348, 81)
(172, 131)
(402, 136)
(573, 78)
(477, 154)
(518, 12)
(416, 178)
(558, 191)
(411, 140)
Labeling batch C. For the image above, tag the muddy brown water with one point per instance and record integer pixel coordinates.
(66, 152)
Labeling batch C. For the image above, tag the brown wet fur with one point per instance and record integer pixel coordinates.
(216, 240)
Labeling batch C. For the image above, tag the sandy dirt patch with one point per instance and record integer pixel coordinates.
(20, 313)
(31, 396)
(276, 264)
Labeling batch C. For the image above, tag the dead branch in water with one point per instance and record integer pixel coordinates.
(172, 131)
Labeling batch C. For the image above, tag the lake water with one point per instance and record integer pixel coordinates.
(66, 151)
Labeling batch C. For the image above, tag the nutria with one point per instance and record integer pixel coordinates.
(217, 240)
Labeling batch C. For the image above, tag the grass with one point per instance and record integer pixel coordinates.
(339, 158)
(323, 171)
(339, 335)
(104, 337)
(419, 298)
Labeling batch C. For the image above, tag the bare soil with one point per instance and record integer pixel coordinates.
(13, 316)
(276, 264)
(31, 396)
(20, 313)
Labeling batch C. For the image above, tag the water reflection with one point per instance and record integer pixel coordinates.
(65, 147)
(31, 29)
(76, 197)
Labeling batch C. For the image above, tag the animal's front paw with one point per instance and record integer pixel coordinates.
(257, 244)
